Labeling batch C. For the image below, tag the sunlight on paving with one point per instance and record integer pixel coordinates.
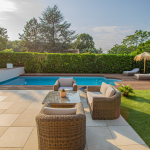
(18, 110)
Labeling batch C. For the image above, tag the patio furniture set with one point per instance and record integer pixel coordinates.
(61, 124)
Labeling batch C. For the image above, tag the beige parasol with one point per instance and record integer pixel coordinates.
(145, 56)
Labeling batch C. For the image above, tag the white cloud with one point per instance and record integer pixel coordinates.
(6, 5)
(112, 29)
(105, 29)
(107, 36)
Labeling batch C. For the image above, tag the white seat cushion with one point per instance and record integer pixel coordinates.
(90, 96)
(59, 111)
(109, 92)
(66, 82)
(103, 88)
(66, 88)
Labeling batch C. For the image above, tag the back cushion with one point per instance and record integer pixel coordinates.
(66, 82)
(109, 92)
(59, 111)
(103, 88)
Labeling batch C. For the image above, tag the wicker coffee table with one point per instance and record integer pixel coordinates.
(53, 97)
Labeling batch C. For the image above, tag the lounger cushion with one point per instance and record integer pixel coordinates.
(66, 88)
(103, 88)
(66, 82)
(110, 91)
(59, 111)
(90, 95)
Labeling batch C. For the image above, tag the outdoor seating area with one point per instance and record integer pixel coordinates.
(74, 79)
(104, 134)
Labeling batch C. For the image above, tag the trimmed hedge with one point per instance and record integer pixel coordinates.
(72, 63)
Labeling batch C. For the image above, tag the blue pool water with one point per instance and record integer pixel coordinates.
(38, 80)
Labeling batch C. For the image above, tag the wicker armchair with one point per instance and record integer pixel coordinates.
(104, 108)
(57, 85)
(61, 132)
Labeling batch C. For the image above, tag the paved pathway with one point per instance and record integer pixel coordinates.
(18, 109)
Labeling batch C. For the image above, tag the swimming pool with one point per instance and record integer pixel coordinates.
(40, 80)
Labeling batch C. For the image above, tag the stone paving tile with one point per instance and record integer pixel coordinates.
(27, 98)
(134, 147)
(17, 108)
(22, 92)
(117, 122)
(2, 98)
(2, 130)
(100, 138)
(11, 148)
(2, 91)
(39, 98)
(7, 119)
(32, 142)
(125, 135)
(35, 105)
(27, 118)
(94, 123)
(5, 105)
(17, 137)
(86, 107)
(8, 93)
(13, 98)
(2, 110)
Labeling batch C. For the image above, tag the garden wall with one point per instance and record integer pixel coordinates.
(71, 63)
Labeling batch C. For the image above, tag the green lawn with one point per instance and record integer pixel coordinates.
(136, 110)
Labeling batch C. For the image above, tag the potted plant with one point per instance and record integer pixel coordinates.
(125, 90)
(62, 93)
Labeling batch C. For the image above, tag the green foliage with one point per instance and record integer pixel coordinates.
(8, 50)
(84, 41)
(71, 63)
(89, 50)
(63, 90)
(3, 38)
(50, 35)
(55, 31)
(16, 46)
(125, 90)
(31, 37)
(133, 44)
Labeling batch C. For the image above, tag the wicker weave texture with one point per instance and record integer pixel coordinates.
(62, 132)
(105, 108)
(57, 85)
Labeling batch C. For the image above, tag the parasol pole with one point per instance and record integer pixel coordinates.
(144, 64)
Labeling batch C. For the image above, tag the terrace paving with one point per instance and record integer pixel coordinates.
(18, 128)
(136, 84)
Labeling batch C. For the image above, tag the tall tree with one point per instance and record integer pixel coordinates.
(84, 41)
(31, 35)
(100, 50)
(55, 30)
(3, 38)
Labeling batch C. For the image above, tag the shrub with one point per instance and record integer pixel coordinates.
(71, 63)
(125, 90)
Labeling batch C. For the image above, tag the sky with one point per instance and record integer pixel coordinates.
(107, 21)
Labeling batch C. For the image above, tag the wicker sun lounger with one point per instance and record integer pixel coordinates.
(61, 132)
(142, 76)
(131, 73)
